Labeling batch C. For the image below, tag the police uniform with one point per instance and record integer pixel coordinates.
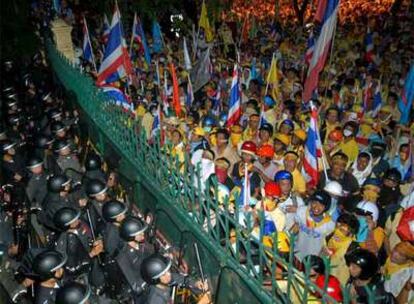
(94, 174)
(52, 203)
(36, 188)
(70, 162)
(45, 295)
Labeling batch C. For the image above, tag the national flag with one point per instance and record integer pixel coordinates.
(326, 13)
(157, 40)
(190, 93)
(309, 48)
(138, 36)
(116, 63)
(205, 24)
(369, 46)
(106, 29)
(377, 101)
(313, 148)
(235, 99)
(407, 96)
(187, 60)
(118, 97)
(86, 46)
(176, 93)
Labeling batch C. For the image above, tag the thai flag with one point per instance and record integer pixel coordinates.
(309, 48)
(313, 149)
(190, 93)
(327, 13)
(87, 47)
(106, 29)
(119, 98)
(138, 37)
(369, 46)
(407, 97)
(116, 63)
(235, 99)
(377, 100)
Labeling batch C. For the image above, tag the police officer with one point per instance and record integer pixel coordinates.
(74, 242)
(73, 293)
(156, 271)
(58, 196)
(42, 145)
(97, 193)
(36, 186)
(48, 266)
(67, 161)
(113, 212)
(130, 257)
(58, 130)
(12, 163)
(93, 168)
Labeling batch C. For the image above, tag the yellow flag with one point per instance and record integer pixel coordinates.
(273, 79)
(205, 24)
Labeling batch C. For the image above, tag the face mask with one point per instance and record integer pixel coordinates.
(362, 234)
(339, 234)
(347, 133)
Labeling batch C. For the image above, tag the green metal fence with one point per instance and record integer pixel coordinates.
(239, 268)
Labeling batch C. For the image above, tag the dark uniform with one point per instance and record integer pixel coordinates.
(70, 165)
(36, 188)
(52, 203)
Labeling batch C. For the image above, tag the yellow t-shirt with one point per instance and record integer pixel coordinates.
(299, 183)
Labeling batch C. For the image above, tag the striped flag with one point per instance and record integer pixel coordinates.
(116, 63)
(119, 97)
(235, 99)
(376, 107)
(327, 14)
(313, 149)
(138, 36)
(106, 29)
(309, 48)
(87, 47)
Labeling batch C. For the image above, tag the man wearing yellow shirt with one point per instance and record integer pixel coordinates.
(349, 146)
(290, 163)
(252, 131)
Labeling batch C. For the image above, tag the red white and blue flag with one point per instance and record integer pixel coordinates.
(106, 29)
(327, 14)
(138, 36)
(86, 46)
(369, 46)
(376, 107)
(313, 149)
(119, 98)
(116, 63)
(309, 48)
(235, 99)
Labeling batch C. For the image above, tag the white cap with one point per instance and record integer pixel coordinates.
(334, 188)
(370, 208)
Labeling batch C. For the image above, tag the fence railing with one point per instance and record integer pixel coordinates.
(240, 267)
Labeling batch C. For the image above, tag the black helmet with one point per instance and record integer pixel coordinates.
(130, 227)
(73, 293)
(93, 162)
(65, 216)
(153, 267)
(11, 102)
(95, 187)
(393, 174)
(46, 263)
(43, 141)
(57, 126)
(315, 262)
(113, 209)
(34, 162)
(322, 197)
(60, 145)
(366, 260)
(57, 183)
(6, 145)
(13, 120)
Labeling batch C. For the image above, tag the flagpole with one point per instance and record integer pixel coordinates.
(267, 80)
(132, 36)
(90, 44)
(324, 164)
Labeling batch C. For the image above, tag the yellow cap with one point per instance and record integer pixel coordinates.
(283, 138)
(199, 131)
(301, 134)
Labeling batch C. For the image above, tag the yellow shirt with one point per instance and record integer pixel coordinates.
(350, 149)
(299, 183)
